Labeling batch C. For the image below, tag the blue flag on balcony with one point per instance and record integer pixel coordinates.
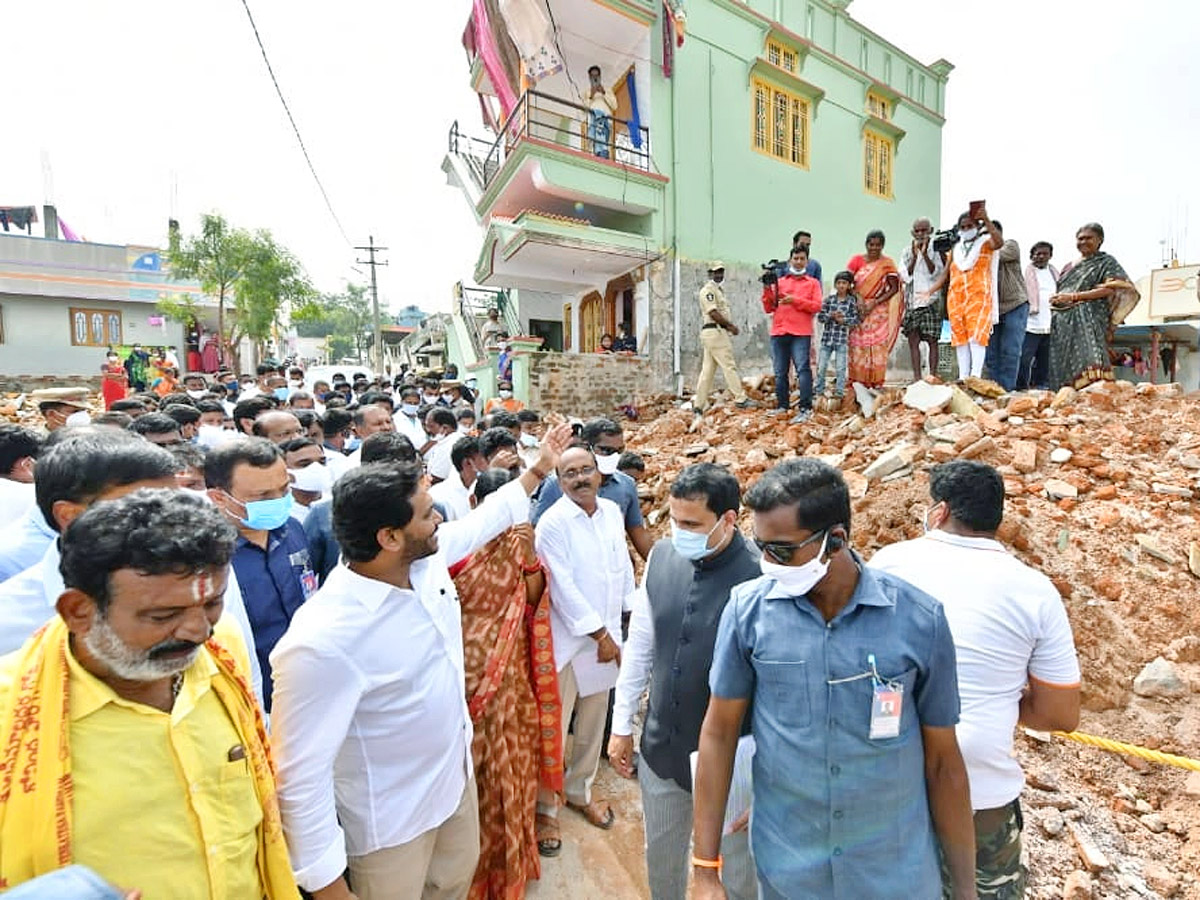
(635, 119)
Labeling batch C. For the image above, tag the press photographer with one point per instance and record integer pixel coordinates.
(792, 299)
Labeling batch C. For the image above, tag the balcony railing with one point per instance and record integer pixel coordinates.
(473, 307)
(553, 121)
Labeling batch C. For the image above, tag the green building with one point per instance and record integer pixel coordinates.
(736, 124)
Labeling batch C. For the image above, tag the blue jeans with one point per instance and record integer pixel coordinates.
(793, 349)
(1004, 348)
(840, 355)
(1035, 362)
(599, 131)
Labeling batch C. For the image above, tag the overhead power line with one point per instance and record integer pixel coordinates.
(295, 127)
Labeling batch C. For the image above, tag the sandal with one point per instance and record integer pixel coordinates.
(549, 837)
(598, 813)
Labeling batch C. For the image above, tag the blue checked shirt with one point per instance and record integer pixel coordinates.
(835, 334)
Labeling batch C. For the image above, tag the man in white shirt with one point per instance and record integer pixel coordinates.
(1016, 655)
(920, 268)
(1041, 283)
(371, 728)
(406, 420)
(580, 541)
(19, 447)
(442, 428)
(454, 494)
(368, 420)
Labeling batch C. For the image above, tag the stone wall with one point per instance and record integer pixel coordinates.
(23, 384)
(585, 384)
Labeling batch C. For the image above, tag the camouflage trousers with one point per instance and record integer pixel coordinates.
(999, 874)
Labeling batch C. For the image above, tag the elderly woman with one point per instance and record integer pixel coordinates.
(1094, 296)
(880, 312)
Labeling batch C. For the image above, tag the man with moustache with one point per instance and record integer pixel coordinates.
(588, 591)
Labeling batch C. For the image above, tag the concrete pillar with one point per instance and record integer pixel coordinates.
(50, 222)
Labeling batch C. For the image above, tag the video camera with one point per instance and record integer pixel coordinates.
(943, 241)
(770, 272)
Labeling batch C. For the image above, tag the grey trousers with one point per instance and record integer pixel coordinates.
(667, 811)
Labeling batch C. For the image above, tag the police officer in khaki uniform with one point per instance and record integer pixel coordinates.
(717, 349)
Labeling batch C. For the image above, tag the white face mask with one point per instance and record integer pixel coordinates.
(797, 581)
(314, 478)
(529, 440)
(78, 418)
(464, 429)
(504, 395)
(196, 395)
(607, 465)
(968, 234)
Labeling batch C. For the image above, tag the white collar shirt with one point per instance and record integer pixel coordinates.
(16, 497)
(411, 427)
(337, 463)
(590, 573)
(1009, 625)
(453, 496)
(437, 457)
(369, 714)
(921, 279)
(24, 542)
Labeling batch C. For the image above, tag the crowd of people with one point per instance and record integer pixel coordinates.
(1022, 328)
(369, 639)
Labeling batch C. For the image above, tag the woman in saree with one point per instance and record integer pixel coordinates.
(114, 384)
(880, 311)
(1094, 296)
(512, 696)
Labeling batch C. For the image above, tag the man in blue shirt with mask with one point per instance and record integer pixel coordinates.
(248, 479)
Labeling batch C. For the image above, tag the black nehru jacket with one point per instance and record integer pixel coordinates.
(686, 601)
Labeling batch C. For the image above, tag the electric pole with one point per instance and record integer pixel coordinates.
(371, 250)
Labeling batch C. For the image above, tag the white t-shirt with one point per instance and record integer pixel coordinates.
(1009, 625)
(1039, 323)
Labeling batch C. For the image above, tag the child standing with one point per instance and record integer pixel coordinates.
(839, 313)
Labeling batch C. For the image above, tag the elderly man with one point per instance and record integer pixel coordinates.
(278, 427)
(920, 267)
(671, 636)
(1041, 283)
(136, 680)
(716, 325)
(368, 420)
(588, 591)
(375, 663)
(848, 676)
(248, 480)
(1016, 654)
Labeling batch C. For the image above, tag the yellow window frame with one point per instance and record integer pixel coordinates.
(879, 106)
(780, 122)
(879, 154)
(782, 56)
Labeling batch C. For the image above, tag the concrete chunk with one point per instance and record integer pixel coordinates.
(928, 398)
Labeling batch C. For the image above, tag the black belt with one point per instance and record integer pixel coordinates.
(710, 325)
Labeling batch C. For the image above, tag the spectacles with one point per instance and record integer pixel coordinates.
(782, 552)
(606, 451)
(583, 472)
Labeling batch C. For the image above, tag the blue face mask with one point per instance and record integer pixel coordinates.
(267, 515)
(280, 393)
(353, 444)
(689, 544)
(409, 409)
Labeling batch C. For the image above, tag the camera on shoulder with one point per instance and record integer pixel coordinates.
(770, 272)
(943, 241)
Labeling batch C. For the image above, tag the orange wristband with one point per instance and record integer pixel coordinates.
(717, 863)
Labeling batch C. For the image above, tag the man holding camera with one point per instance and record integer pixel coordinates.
(792, 301)
(715, 347)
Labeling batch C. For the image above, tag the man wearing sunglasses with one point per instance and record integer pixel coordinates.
(606, 440)
(851, 675)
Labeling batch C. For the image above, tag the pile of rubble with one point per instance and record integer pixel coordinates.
(1100, 491)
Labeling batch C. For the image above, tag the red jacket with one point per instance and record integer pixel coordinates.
(799, 301)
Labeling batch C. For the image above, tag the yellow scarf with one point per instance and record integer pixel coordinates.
(36, 791)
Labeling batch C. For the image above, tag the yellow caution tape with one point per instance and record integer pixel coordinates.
(1167, 759)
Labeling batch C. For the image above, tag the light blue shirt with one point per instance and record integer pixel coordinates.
(28, 601)
(838, 816)
(23, 542)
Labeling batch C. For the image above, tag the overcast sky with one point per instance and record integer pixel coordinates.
(1059, 112)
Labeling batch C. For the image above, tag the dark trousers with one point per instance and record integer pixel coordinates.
(1004, 347)
(1035, 362)
(792, 349)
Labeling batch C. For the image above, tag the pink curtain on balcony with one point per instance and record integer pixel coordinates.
(533, 34)
(485, 43)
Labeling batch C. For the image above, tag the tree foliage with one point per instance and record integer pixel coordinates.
(343, 319)
(253, 279)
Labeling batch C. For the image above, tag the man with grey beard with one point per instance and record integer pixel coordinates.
(133, 704)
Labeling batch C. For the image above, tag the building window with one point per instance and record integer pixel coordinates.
(95, 327)
(877, 165)
(566, 327)
(864, 54)
(908, 82)
(879, 107)
(781, 56)
(780, 123)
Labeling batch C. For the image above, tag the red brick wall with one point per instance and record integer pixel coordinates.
(586, 384)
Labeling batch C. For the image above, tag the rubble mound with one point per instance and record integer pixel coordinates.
(1101, 487)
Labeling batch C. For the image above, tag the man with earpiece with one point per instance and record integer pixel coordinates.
(848, 676)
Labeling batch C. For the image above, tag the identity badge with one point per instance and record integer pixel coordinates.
(887, 702)
(308, 583)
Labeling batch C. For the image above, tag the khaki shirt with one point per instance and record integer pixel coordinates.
(712, 297)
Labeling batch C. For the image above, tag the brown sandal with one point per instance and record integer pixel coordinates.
(549, 836)
(598, 813)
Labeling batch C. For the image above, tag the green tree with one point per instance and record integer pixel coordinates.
(344, 319)
(253, 279)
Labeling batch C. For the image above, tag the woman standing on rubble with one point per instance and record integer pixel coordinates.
(880, 310)
(1094, 296)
